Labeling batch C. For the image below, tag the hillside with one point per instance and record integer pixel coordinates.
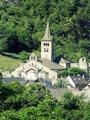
(22, 24)
(8, 63)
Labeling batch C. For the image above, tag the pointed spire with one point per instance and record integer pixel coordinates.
(47, 35)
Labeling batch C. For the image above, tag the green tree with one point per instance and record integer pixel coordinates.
(24, 56)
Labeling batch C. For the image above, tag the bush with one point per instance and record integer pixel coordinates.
(71, 71)
(24, 56)
(63, 73)
(59, 84)
(76, 71)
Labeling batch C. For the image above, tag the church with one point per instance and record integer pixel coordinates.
(43, 67)
(46, 67)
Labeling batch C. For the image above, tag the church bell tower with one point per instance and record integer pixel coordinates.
(47, 44)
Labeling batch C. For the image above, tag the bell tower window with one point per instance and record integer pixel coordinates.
(46, 44)
(45, 49)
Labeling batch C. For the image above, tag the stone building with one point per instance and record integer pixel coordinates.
(43, 67)
(76, 82)
(47, 66)
(82, 64)
(47, 51)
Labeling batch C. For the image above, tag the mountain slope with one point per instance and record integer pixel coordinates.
(22, 26)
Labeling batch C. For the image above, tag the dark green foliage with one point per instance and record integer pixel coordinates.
(76, 71)
(63, 73)
(22, 24)
(71, 71)
(23, 56)
(34, 102)
(70, 102)
(9, 115)
(8, 90)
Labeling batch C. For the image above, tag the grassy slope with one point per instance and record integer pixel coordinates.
(8, 63)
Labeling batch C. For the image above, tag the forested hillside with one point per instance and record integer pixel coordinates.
(22, 24)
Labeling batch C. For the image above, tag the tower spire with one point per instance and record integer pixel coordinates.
(47, 35)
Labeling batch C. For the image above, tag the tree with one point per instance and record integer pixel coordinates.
(22, 102)
(71, 71)
(22, 25)
(24, 56)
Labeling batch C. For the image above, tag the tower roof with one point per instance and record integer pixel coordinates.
(47, 35)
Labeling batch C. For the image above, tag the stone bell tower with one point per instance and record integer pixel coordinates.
(47, 44)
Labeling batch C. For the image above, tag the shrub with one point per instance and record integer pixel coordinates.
(71, 71)
(24, 56)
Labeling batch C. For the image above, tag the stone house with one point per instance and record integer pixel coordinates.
(78, 82)
(82, 64)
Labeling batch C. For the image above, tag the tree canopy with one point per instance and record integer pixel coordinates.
(22, 102)
(22, 24)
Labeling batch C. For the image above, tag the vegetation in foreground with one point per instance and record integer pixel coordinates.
(34, 102)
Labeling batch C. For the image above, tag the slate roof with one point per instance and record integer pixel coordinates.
(9, 80)
(64, 60)
(50, 65)
(77, 79)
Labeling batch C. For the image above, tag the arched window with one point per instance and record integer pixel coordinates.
(46, 44)
(45, 49)
(33, 57)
